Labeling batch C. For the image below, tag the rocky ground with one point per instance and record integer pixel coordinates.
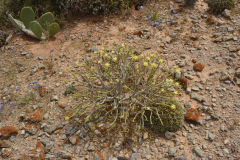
(36, 79)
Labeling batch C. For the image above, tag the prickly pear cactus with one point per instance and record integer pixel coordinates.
(218, 6)
(36, 28)
(46, 19)
(53, 29)
(27, 15)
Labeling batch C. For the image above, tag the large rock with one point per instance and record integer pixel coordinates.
(7, 131)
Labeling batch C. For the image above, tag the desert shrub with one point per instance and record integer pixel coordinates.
(66, 7)
(218, 6)
(119, 86)
(189, 3)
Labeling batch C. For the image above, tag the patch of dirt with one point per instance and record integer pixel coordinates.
(26, 65)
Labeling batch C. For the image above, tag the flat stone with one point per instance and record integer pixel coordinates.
(172, 151)
(198, 151)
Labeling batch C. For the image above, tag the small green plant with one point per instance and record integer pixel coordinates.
(25, 100)
(218, 6)
(40, 29)
(121, 87)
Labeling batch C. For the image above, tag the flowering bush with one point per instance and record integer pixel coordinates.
(122, 87)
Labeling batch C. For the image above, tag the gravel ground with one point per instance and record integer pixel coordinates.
(34, 78)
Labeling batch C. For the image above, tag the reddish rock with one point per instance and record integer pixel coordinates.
(38, 153)
(138, 33)
(198, 67)
(42, 91)
(4, 144)
(36, 116)
(121, 28)
(100, 155)
(73, 139)
(211, 20)
(184, 82)
(62, 105)
(192, 115)
(31, 128)
(24, 157)
(6, 152)
(8, 131)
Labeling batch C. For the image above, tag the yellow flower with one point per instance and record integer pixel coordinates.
(107, 65)
(173, 106)
(145, 64)
(161, 60)
(136, 66)
(115, 59)
(175, 92)
(162, 90)
(152, 55)
(113, 52)
(123, 45)
(95, 52)
(148, 108)
(102, 48)
(99, 62)
(134, 57)
(148, 58)
(177, 84)
(154, 65)
(178, 71)
(117, 80)
(105, 55)
(171, 80)
(67, 118)
(175, 67)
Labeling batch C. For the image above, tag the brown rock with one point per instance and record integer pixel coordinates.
(38, 153)
(138, 33)
(211, 20)
(184, 82)
(6, 152)
(36, 116)
(7, 131)
(73, 139)
(198, 67)
(24, 157)
(4, 144)
(31, 128)
(62, 105)
(121, 28)
(194, 37)
(42, 91)
(192, 115)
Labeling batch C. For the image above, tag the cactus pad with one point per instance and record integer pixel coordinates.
(46, 19)
(36, 28)
(27, 15)
(53, 29)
